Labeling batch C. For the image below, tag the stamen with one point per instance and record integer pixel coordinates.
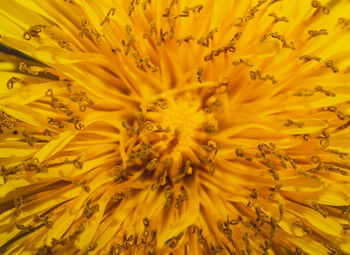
(239, 22)
(172, 28)
(256, 75)
(278, 19)
(319, 7)
(215, 249)
(6, 121)
(85, 30)
(120, 174)
(213, 106)
(254, 195)
(273, 223)
(152, 165)
(187, 39)
(168, 9)
(130, 41)
(204, 41)
(111, 12)
(200, 77)
(334, 250)
(169, 196)
(344, 22)
(291, 123)
(150, 33)
(302, 226)
(121, 195)
(82, 185)
(274, 174)
(187, 10)
(144, 4)
(77, 124)
(76, 162)
(240, 153)
(324, 142)
(327, 93)
(225, 49)
(31, 140)
(315, 33)
(281, 208)
(252, 11)
(174, 240)
(330, 65)
(345, 125)
(308, 58)
(279, 37)
(18, 201)
(12, 81)
(90, 211)
(78, 231)
(92, 246)
(181, 198)
(210, 127)
(34, 70)
(242, 61)
(317, 208)
(161, 37)
(274, 191)
(340, 154)
(305, 93)
(308, 175)
(29, 228)
(33, 31)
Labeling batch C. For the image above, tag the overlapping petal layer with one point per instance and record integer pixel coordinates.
(174, 127)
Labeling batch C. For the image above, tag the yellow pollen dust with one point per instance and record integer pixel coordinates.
(183, 120)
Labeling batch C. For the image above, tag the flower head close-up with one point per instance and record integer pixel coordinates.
(175, 127)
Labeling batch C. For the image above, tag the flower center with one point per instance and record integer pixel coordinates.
(182, 120)
(170, 138)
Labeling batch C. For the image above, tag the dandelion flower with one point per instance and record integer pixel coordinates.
(174, 127)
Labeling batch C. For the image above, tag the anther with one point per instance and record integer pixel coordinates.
(317, 5)
(204, 41)
(33, 31)
(90, 211)
(291, 123)
(274, 191)
(344, 22)
(330, 65)
(150, 33)
(187, 10)
(111, 12)
(273, 223)
(347, 124)
(200, 77)
(239, 152)
(302, 226)
(239, 22)
(278, 19)
(242, 61)
(317, 208)
(161, 37)
(314, 33)
(168, 9)
(172, 29)
(308, 58)
(274, 174)
(152, 165)
(18, 201)
(186, 39)
(12, 81)
(146, 222)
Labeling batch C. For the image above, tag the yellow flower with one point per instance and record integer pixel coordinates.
(174, 127)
